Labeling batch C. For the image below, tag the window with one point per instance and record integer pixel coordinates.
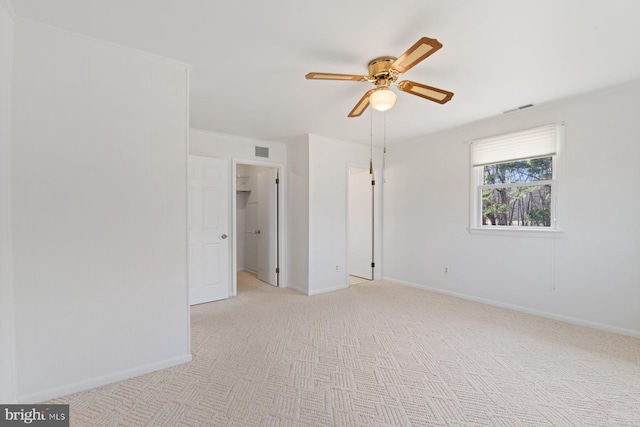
(514, 180)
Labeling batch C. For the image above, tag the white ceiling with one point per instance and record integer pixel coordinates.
(249, 57)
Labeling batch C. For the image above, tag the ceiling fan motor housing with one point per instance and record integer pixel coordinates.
(380, 70)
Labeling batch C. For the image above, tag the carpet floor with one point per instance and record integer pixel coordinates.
(377, 354)
(356, 280)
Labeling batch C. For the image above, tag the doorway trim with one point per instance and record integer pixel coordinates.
(280, 167)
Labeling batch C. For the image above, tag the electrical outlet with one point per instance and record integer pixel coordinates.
(446, 270)
(336, 268)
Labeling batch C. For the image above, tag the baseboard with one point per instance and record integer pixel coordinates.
(297, 289)
(311, 293)
(102, 380)
(521, 309)
(324, 291)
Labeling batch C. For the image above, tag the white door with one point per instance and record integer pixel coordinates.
(360, 223)
(208, 220)
(251, 236)
(268, 226)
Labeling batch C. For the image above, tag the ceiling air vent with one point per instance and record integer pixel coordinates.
(518, 108)
(262, 152)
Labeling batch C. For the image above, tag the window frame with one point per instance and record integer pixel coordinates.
(476, 224)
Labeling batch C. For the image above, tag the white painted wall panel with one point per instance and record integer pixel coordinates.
(589, 275)
(298, 215)
(7, 385)
(99, 199)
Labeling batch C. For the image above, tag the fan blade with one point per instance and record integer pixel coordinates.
(428, 92)
(330, 76)
(361, 105)
(416, 53)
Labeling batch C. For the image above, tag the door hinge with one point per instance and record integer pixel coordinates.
(373, 265)
(277, 270)
(373, 182)
(277, 181)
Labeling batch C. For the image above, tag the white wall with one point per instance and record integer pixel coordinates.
(99, 212)
(7, 347)
(223, 146)
(298, 215)
(329, 162)
(589, 275)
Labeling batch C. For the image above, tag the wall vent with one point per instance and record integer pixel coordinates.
(518, 108)
(262, 152)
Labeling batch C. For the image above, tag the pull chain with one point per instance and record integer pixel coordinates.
(385, 134)
(371, 142)
(384, 149)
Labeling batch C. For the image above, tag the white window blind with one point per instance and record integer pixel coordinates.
(537, 142)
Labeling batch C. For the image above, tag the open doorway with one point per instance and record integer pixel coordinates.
(361, 225)
(257, 243)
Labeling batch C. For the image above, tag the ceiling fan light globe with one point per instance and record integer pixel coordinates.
(383, 99)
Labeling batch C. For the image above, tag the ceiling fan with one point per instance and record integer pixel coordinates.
(384, 71)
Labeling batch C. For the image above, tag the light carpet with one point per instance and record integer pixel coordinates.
(356, 280)
(377, 354)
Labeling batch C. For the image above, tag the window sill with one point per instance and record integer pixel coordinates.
(516, 232)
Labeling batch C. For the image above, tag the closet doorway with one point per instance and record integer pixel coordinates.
(361, 225)
(257, 219)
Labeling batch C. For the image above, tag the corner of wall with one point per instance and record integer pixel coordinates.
(298, 215)
(9, 7)
(7, 332)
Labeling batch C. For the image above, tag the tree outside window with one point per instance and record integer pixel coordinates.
(513, 193)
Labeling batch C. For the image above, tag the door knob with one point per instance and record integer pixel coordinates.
(257, 232)
(224, 236)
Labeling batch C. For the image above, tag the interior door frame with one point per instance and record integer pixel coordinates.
(377, 219)
(282, 193)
